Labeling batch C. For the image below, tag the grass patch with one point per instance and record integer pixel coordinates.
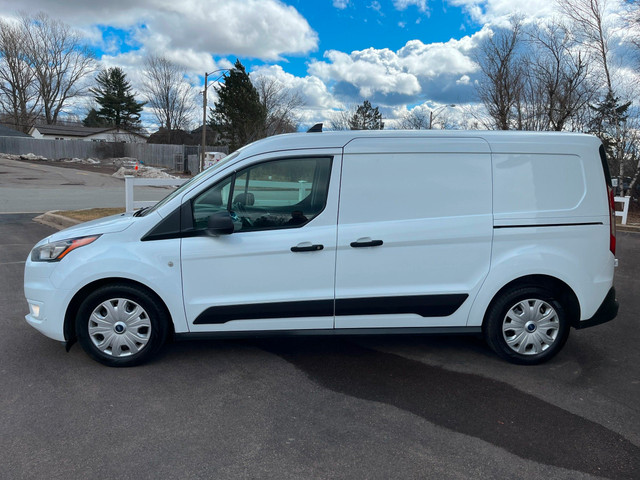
(90, 213)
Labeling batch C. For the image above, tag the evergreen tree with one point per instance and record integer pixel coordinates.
(238, 115)
(366, 118)
(118, 106)
(93, 119)
(607, 123)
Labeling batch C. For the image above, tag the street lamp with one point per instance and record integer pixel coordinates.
(204, 113)
(434, 113)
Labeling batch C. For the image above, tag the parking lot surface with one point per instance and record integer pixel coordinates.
(40, 187)
(383, 407)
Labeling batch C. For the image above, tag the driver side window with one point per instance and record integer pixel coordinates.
(284, 193)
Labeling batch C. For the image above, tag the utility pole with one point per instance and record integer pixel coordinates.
(204, 121)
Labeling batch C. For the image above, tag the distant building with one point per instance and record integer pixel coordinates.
(88, 134)
(10, 132)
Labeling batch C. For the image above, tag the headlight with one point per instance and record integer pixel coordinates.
(56, 251)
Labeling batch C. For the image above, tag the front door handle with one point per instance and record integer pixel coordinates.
(366, 243)
(307, 248)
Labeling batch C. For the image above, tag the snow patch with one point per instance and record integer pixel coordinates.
(143, 172)
(84, 161)
(31, 156)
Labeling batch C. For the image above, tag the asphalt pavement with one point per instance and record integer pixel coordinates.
(395, 407)
(27, 187)
(384, 407)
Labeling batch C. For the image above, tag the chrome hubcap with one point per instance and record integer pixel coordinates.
(119, 327)
(530, 327)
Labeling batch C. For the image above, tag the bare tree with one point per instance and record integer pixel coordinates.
(501, 84)
(589, 23)
(167, 92)
(416, 119)
(632, 24)
(588, 19)
(60, 61)
(18, 86)
(340, 119)
(280, 103)
(423, 118)
(557, 83)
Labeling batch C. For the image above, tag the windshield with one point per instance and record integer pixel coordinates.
(205, 173)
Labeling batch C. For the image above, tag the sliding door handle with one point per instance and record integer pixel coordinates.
(307, 248)
(366, 243)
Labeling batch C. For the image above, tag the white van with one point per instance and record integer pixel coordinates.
(506, 234)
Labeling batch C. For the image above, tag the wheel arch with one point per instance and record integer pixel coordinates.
(73, 306)
(566, 295)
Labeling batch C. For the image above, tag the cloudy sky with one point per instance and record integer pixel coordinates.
(399, 54)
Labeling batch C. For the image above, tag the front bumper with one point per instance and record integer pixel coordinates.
(47, 304)
(607, 311)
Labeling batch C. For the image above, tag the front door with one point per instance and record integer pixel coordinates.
(276, 271)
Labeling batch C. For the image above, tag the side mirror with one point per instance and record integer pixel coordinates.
(220, 223)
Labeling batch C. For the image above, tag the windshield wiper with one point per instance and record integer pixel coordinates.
(138, 213)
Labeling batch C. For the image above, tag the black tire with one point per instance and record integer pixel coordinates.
(523, 340)
(146, 330)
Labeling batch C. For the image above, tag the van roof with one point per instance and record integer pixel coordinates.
(338, 139)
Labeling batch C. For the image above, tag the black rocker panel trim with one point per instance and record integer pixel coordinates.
(423, 305)
(325, 332)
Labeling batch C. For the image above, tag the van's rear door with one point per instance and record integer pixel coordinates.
(414, 231)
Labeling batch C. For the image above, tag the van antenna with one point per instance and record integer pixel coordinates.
(316, 128)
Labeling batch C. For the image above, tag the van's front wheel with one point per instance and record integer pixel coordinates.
(526, 325)
(120, 326)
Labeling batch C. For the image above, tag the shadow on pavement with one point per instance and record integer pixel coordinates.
(469, 404)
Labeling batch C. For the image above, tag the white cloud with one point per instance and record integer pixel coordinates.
(411, 74)
(341, 4)
(375, 5)
(497, 12)
(435, 59)
(369, 70)
(265, 29)
(319, 102)
(404, 4)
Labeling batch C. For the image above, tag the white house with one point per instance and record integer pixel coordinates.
(88, 134)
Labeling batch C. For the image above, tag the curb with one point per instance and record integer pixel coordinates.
(59, 222)
(628, 228)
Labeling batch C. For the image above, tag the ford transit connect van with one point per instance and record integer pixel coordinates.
(511, 235)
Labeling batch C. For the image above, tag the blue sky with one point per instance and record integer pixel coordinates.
(399, 54)
(357, 26)
(378, 25)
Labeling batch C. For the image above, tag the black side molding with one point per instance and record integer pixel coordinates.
(607, 312)
(423, 305)
(229, 313)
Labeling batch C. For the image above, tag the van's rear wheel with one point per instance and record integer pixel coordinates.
(120, 326)
(526, 325)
